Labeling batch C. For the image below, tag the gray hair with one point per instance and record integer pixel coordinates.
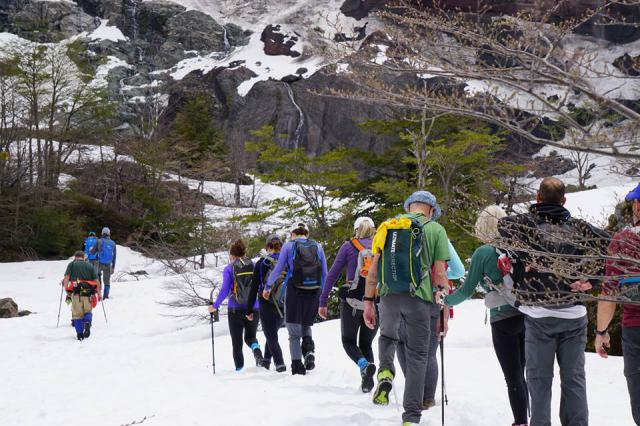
(486, 228)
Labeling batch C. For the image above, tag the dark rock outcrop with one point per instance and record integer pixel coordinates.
(359, 9)
(8, 308)
(278, 43)
(628, 65)
(46, 21)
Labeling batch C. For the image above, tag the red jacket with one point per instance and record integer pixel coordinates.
(625, 243)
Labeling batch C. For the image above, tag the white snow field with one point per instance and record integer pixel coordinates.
(146, 364)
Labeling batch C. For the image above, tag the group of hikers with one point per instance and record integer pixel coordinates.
(87, 279)
(532, 266)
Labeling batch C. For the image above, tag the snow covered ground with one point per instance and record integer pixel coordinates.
(147, 364)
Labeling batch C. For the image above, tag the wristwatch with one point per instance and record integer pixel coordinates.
(369, 299)
(603, 332)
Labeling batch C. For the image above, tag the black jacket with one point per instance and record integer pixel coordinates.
(555, 250)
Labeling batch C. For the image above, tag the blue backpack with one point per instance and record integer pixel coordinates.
(89, 244)
(106, 253)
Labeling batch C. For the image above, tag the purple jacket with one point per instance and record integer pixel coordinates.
(347, 256)
(226, 290)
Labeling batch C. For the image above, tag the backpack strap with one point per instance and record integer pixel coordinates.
(357, 244)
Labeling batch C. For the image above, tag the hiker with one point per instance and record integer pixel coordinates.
(83, 292)
(406, 251)
(271, 310)
(455, 271)
(89, 249)
(106, 249)
(624, 279)
(237, 278)
(306, 274)
(507, 323)
(354, 255)
(553, 246)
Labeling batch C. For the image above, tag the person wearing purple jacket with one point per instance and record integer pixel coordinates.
(239, 324)
(306, 274)
(358, 348)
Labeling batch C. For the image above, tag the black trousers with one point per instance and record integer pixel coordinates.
(239, 325)
(271, 323)
(508, 342)
(351, 324)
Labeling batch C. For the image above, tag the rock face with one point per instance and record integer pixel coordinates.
(50, 21)
(8, 308)
(628, 65)
(278, 43)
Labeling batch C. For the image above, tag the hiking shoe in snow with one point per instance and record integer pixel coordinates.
(266, 364)
(428, 403)
(367, 374)
(257, 354)
(281, 368)
(87, 330)
(298, 368)
(80, 337)
(310, 361)
(385, 384)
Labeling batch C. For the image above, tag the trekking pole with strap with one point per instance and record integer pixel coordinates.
(60, 304)
(445, 400)
(213, 346)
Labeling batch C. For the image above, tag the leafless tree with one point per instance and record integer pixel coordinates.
(529, 74)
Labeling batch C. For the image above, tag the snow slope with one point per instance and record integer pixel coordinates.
(146, 364)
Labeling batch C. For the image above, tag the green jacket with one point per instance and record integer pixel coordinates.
(483, 262)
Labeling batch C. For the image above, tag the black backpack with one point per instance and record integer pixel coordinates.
(242, 280)
(277, 289)
(307, 270)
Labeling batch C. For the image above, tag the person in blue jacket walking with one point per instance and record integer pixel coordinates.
(306, 274)
(106, 252)
(89, 249)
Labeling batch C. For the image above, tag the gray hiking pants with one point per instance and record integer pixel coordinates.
(416, 314)
(104, 274)
(298, 336)
(545, 340)
(631, 354)
(431, 373)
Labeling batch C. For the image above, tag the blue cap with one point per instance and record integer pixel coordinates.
(424, 197)
(633, 195)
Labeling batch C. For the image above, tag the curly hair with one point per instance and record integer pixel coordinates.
(238, 249)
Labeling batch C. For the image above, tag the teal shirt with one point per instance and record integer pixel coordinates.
(483, 262)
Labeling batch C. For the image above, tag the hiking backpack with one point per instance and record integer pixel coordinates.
(355, 289)
(278, 288)
(307, 270)
(242, 280)
(105, 256)
(404, 264)
(89, 248)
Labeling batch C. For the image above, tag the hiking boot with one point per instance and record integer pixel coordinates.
(80, 337)
(297, 367)
(310, 361)
(87, 329)
(367, 374)
(385, 384)
(257, 354)
(281, 368)
(428, 403)
(266, 364)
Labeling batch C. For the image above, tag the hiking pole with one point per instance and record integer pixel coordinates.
(104, 312)
(444, 392)
(213, 345)
(60, 304)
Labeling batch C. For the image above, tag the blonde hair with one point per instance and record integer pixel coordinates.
(486, 229)
(366, 229)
